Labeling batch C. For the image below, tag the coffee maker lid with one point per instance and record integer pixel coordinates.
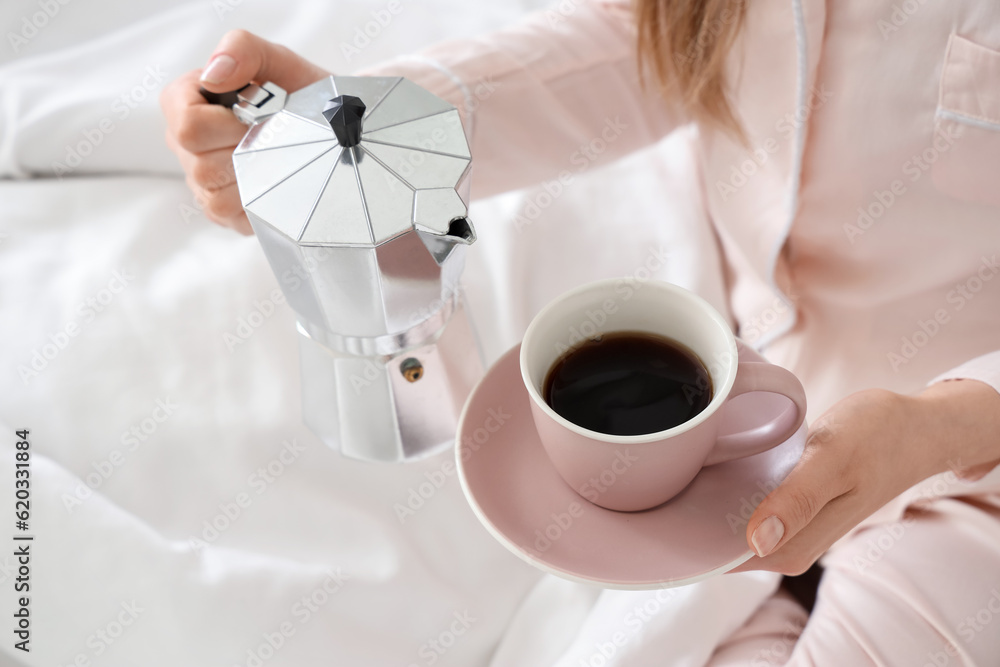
(356, 161)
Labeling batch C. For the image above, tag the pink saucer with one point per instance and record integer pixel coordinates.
(524, 503)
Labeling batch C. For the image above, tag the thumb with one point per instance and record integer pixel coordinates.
(242, 57)
(789, 508)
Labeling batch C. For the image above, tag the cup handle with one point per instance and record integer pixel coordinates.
(761, 376)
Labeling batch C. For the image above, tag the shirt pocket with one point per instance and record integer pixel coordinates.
(968, 115)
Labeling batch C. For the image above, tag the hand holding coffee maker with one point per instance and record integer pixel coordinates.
(643, 393)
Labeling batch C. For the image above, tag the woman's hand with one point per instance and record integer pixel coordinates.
(864, 451)
(204, 135)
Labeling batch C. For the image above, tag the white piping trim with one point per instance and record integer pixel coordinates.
(470, 106)
(802, 79)
(967, 120)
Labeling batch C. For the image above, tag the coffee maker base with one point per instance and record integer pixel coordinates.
(391, 408)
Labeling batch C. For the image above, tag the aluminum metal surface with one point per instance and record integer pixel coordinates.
(368, 242)
(408, 176)
(369, 408)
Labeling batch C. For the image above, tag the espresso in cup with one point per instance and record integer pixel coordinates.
(642, 459)
(628, 383)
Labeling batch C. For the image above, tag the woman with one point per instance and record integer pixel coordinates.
(850, 153)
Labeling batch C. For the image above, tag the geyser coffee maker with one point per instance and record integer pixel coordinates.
(357, 188)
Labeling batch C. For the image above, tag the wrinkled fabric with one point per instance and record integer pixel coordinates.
(552, 98)
(181, 374)
(859, 227)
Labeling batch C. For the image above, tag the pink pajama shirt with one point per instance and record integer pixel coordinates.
(861, 236)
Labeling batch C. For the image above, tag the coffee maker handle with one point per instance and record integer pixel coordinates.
(252, 103)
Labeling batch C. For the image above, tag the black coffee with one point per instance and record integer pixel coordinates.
(628, 383)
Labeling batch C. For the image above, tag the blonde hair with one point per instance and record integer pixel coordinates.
(686, 44)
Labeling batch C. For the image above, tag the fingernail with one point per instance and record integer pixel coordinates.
(218, 69)
(767, 535)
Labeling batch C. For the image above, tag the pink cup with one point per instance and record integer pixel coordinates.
(637, 472)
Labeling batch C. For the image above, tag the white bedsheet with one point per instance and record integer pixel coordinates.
(147, 425)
